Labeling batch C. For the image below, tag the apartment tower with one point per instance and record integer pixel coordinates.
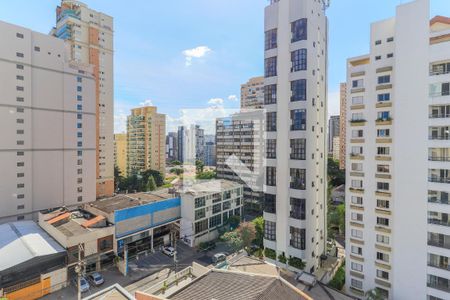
(146, 137)
(296, 131)
(333, 131)
(47, 108)
(252, 93)
(398, 229)
(120, 152)
(342, 124)
(89, 35)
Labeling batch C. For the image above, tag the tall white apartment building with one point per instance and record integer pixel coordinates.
(398, 100)
(47, 113)
(296, 116)
(90, 36)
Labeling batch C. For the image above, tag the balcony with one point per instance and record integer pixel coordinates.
(357, 122)
(439, 158)
(383, 121)
(356, 156)
(440, 244)
(444, 137)
(356, 190)
(439, 179)
(439, 116)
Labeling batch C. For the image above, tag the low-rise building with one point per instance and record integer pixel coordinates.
(207, 206)
(80, 230)
(32, 264)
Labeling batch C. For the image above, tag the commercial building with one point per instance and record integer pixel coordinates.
(121, 152)
(146, 137)
(191, 143)
(240, 136)
(171, 146)
(295, 70)
(397, 229)
(206, 206)
(72, 228)
(252, 93)
(47, 108)
(89, 36)
(32, 264)
(342, 124)
(333, 131)
(210, 154)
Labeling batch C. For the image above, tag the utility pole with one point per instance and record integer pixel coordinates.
(79, 270)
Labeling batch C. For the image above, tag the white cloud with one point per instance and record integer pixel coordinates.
(233, 98)
(147, 102)
(196, 52)
(215, 101)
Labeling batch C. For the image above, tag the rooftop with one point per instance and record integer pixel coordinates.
(109, 205)
(209, 187)
(23, 241)
(114, 292)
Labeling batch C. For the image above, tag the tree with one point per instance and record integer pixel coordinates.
(175, 163)
(374, 294)
(199, 166)
(206, 175)
(157, 176)
(151, 185)
(338, 280)
(234, 221)
(233, 239)
(247, 232)
(259, 227)
(336, 176)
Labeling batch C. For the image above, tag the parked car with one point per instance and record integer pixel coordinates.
(169, 251)
(84, 285)
(219, 257)
(96, 279)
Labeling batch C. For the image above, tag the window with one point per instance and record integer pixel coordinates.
(20, 99)
(18, 54)
(20, 207)
(357, 284)
(357, 233)
(19, 77)
(79, 171)
(357, 184)
(356, 267)
(297, 238)
(270, 205)
(390, 39)
(384, 79)
(79, 107)
(378, 42)
(79, 134)
(270, 67)
(80, 189)
(226, 205)
(79, 116)
(270, 41)
(298, 89)
(79, 89)
(357, 200)
(383, 168)
(384, 97)
(357, 217)
(19, 67)
(201, 226)
(270, 230)
(357, 150)
(383, 239)
(383, 186)
(20, 196)
(271, 121)
(357, 100)
(37, 49)
(298, 149)
(217, 208)
(299, 30)
(383, 150)
(200, 202)
(383, 116)
(79, 144)
(20, 164)
(271, 176)
(298, 208)
(358, 116)
(383, 132)
(359, 83)
(79, 98)
(439, 283)
(383, 256)
(298, 179)
(270, 94)
(20, 131)
(358, 167)
(383, 274)
(356, 250)
(19, 35)
(20, 185)
(271, 148)
(298, 118)
(20, 88)
(79, 125)
(215, 221)
(20, 153)
(382, 221)
(378, 57)
(298, 60)
(79, 79)
(390, 55)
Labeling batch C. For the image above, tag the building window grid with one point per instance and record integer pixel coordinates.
(298, 90)
(298, 208)
(270, 231)
(299, 60)
(299, 29)
(298, 149)
(297, 240)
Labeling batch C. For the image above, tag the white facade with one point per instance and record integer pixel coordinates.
(397, 227)
(296, 115)
(47, 108)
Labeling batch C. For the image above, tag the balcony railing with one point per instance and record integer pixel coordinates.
(439, 266)
(439, 137)
(439, 179)
(438, 222)
(439, 116)
(440, 244)
(439, 201)
(439, 158)
(439, 286)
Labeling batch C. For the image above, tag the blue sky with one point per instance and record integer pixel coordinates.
(224, 38)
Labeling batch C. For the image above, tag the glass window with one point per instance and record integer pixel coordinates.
(298, 149)
(271, 176)
(217, 208)
(383, 132)
(199, 202)
(271, 148)
(270, 94)
(357, 100)
(270, 41)
(384, 97)
(382, 274)
(356, 283)
(200, 213)
(359, 83)
(201, 226)
(383, 239)
(299, 30)
(270, 204)
(299, 60)
(383, 150)
(271, 121)
(298, 118)
(270, 230)
(297, 238)
(298, 89)
(298, 208)
(357, 267)
(384, 79)
(270, 67)
(298, 179)
(382, 221)
(215, 221)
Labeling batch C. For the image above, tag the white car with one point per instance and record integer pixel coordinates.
(84, 285)
(96, 279)
(169, 251)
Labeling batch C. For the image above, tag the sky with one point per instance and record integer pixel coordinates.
(195, 54)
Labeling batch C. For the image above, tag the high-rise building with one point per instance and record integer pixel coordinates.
(47, 108)
(210, 150)
(295, 71)
(89, 35)
(252, 93)
(120, 152)
(333, 131)
(336, 148)
(146, 136)
(191, 143)
(342, 124)
(240, 135)
(171, 146)
(397, 229)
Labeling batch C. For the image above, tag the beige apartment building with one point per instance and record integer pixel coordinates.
(146, 137)
(47, 108)
(252, 93)
(342, 124)
(89, 34)
(120, 152)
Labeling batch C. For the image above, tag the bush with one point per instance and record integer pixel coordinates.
(296, 263)
(269, 253)
(282, 258)
(338, 280)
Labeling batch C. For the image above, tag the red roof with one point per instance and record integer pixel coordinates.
(58, 218)
(93, 221)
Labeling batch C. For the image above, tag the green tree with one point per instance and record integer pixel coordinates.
(338, 280)
(157, 176)
(199, 166)
(247, 232)
(336, 176)
(206, 175)
(175, 163)
(233, 239)
(234, 221)
(259, 227)
(151, 185)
